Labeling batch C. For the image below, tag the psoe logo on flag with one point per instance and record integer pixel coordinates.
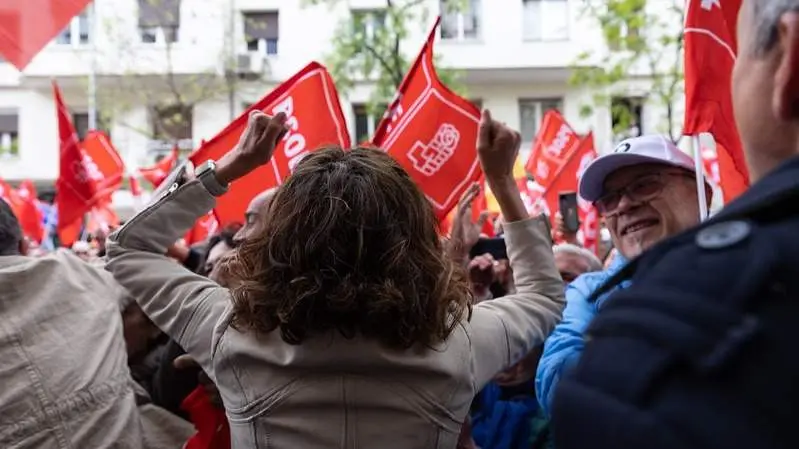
(429, 158)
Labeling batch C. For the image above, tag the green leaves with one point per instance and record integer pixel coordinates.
(644, 39)
(367, 47)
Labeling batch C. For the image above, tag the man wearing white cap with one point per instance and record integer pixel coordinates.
(646, 191)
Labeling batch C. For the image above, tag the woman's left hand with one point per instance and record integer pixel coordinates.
(255, 147)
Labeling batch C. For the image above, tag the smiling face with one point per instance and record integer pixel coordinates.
(669, 206)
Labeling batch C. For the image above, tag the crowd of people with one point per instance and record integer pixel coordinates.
(338, 315)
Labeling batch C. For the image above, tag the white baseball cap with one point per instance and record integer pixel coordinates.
(649, 149)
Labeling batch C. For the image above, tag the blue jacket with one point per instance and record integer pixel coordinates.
(563, 347)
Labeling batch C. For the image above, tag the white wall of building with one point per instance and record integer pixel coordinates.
(501, 65)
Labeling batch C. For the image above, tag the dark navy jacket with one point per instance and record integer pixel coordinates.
(701, 350)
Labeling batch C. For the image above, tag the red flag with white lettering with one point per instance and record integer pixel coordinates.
(103, 164)
(26, 26)
(710, 51)
(310, 101)
(432, 133)
(552, 148)
(567, 180)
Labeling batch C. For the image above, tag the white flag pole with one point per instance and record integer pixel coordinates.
(701, 193)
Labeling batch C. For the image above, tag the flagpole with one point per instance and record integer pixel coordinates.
(700, 178)
(92, 101)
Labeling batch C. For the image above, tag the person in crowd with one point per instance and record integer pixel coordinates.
(646, 191)
(65, 375)
(254, 215)
(699, 352)
(573, 260)
(346, 322)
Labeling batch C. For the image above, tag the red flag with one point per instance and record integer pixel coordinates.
(710, 50)
(156, 174)
(567, 180)
(135, 188)
(432, 132)
(203, 228)
(26, 26)
(102, 163)
(25, 208)
(75, 190)
(310, 101)
(552, 148)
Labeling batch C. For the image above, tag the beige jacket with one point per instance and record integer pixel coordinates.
(64, 379)
(330, 392)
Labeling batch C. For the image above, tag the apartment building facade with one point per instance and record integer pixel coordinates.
(215, 57)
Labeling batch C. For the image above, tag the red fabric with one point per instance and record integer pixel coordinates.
(156, 174)
(431, 132)
(213, 430)
(203, 228)
(710, 49)
(26, 26)
(552, 148)
(102, 218)
(310, 100)
(76, 193)
(567, 180)
(135, 188)
(23, 204)
(103, 164)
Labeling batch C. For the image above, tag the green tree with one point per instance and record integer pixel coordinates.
(642, 42)
(367, 47)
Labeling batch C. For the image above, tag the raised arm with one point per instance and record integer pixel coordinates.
(506, 329)
(188, 307)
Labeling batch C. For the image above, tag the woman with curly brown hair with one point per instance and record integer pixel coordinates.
(345, 324)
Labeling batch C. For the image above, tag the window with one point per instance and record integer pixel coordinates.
(531, 112)
(262, 32)
(81, 122)
(368, 22)
(9, 134)
(77, 31)
(460, 24)
(365, 123)
(159, 21)
(627, 117)
(545, 20)
(171, 125)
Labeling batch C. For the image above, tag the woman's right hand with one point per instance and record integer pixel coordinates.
(255, 147)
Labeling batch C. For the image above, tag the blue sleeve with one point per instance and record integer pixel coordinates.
(563, 347)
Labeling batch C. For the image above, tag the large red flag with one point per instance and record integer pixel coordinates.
(310, 101)
(23, 204)
(26, 26)
(75, 189)
(432, 133)
(710, 50)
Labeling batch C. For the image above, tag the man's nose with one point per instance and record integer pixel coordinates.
(241, 234)
(625, 203)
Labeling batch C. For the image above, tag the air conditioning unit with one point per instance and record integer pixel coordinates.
(251, 65)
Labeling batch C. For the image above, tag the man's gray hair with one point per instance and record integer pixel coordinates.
(594, 264)
(767, 15)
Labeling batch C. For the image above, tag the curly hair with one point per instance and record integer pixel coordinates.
(350, 245)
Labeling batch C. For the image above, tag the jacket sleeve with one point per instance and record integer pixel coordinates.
(563, 348)
(184, 305)
(504, 330)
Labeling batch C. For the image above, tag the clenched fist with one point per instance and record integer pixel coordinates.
(497, 146)
(255, 147)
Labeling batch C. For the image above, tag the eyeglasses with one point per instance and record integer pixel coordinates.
(640, 190)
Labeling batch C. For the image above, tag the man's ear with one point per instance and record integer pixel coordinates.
(786, 77)
(24, 246)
